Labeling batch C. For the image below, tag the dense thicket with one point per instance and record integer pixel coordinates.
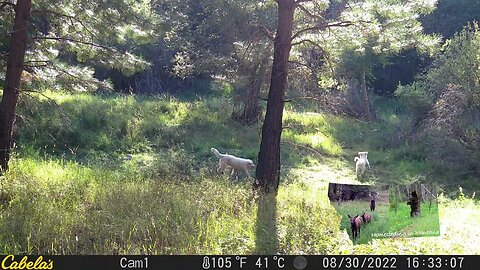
(444, 105)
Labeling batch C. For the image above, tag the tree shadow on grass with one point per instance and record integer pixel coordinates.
(266, 228)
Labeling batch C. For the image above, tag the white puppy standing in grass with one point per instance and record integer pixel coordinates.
(361, 163)
(238, 164)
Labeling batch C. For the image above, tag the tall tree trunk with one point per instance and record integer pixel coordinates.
(12, 81)
(251, 110)
(268, 169)
(363, 90)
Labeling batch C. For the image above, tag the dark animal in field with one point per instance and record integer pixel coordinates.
(414, 203)
(372, 204)
(356, 223)
(366, 217)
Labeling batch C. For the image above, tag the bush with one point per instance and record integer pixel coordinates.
(416, 97)
(458, 64)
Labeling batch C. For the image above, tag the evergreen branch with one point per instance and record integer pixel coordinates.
(77, 41)
(36, 61)
(70, 17)
(55, 13)
(324, 26)
(75, 76)
(307, 41)
(51, 65)
(33, 66)
(28, 91)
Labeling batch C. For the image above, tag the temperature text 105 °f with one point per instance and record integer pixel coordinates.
(222, 262)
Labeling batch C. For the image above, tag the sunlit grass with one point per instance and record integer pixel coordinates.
(135, 175)
(97, 211)
(318, 141)
(379, 222)
(400, 220)
(459, 221)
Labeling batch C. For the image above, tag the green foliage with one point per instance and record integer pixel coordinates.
(70, 39)
(443, 104)
(459, 64)
(382, 29)
(415, 98)
(456, 65)
(95, 128)
(6, 25)
(305, 234)
(201, 35)
(109, 174)
(65, 208)
(60, 207)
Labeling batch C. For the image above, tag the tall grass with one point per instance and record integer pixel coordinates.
(379, 223)
(61, 207)
(128, 175)
(425, 225)
(66, 208)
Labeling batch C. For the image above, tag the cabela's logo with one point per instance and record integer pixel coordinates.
(9, 262)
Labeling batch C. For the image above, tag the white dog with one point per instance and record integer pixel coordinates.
(361, 163)
(235, 162)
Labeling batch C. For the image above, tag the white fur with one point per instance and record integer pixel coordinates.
(238, 164)
(361, 163)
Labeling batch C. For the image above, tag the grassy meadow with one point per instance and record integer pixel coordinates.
(427, 224)
(379, 223)
(113, 174)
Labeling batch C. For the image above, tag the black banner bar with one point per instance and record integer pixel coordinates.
(237, 262)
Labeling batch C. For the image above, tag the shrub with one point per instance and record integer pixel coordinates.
(458, 64)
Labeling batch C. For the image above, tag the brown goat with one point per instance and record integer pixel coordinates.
(366, 217)
(356, 224)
